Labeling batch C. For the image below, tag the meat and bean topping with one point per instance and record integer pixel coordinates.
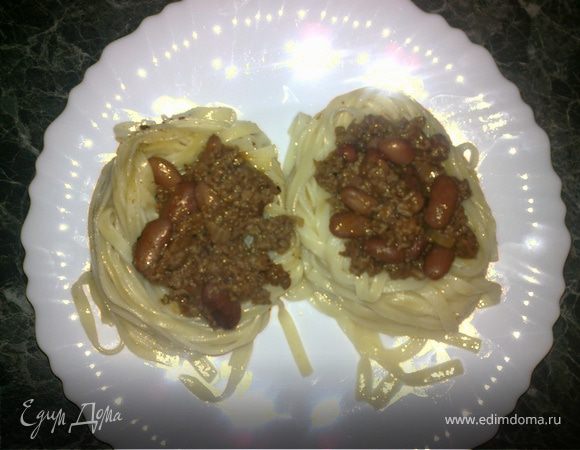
(394, 204)
(210, 244)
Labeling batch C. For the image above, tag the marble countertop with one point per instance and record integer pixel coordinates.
(46, 46)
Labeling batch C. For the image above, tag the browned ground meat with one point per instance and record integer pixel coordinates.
(394, 205)
(214, 253)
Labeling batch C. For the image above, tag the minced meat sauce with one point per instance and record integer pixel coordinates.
(211, 241)
(394, 204)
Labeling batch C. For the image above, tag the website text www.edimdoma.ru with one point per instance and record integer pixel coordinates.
(494, 419)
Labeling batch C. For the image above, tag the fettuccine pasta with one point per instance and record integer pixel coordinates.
(366, 305)
(124, 202)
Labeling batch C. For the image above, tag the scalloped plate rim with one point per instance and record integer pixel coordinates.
(41, 180)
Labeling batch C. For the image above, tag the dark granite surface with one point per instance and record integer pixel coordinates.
(45, 48)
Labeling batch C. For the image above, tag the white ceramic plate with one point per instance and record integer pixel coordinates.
(271, 60)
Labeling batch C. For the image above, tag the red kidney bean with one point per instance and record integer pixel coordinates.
(165, 173)
(379, 249)
(349, 225)
(181, 203)
(205, 195)
(151, 244)
(397, 150)
(225, 312)
(348, 153)
(443, 202)
(438, 262)
(358, 200)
